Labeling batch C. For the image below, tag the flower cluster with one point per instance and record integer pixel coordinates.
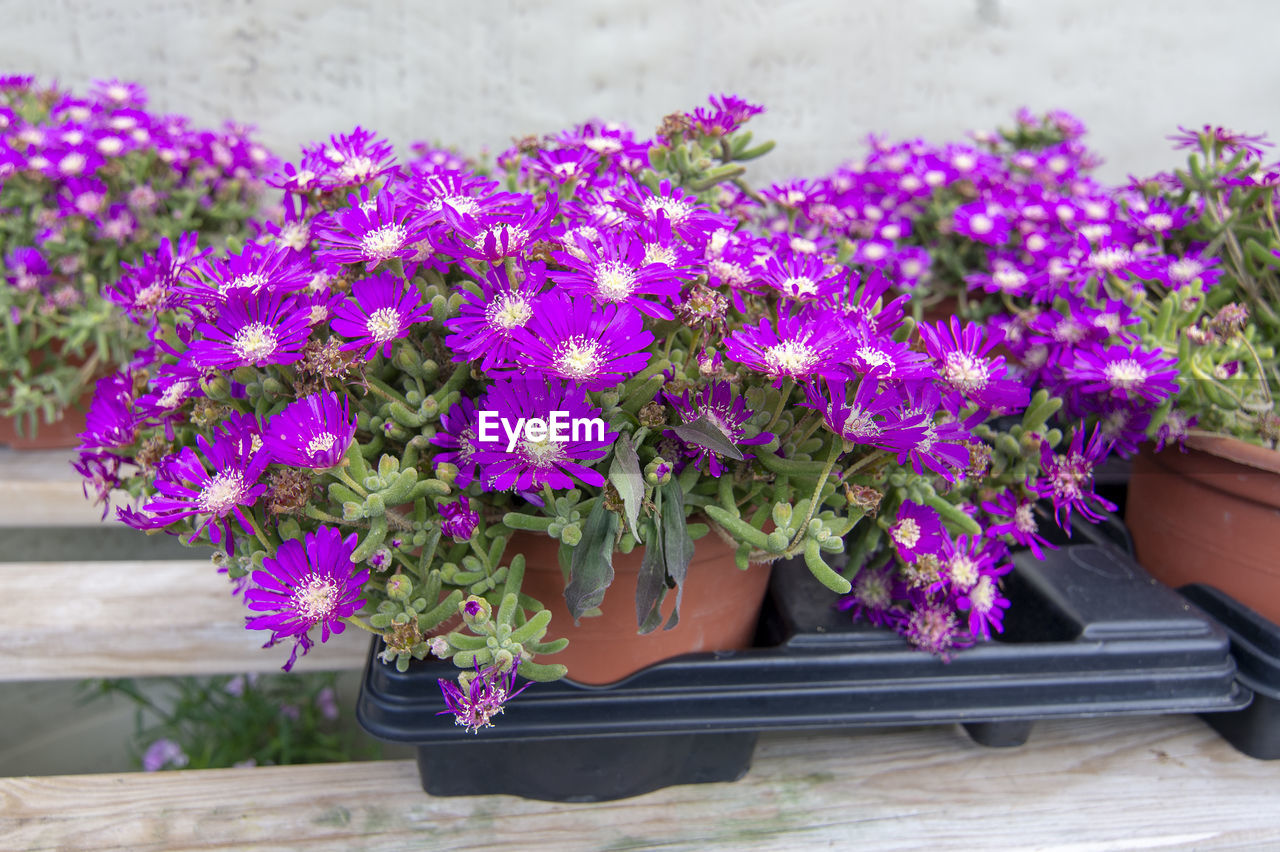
(419, 360)
(88, 183)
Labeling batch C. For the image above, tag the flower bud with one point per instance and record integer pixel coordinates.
(504, 660)
(399, 587)
(658, 471)
(380, 559)
(475, 611)
(440, 647)
(447, 472)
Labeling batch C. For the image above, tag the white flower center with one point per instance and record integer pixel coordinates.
(249, 281)
(578, 358)
(790, 357)
(872, 356)
(677, 211)
(381, 243)
(963, 570)
(874, 251)
(254, 342)
(1186, 269)
(321, 443)
(110, 145)
(1109, 259)
(965, 373)
(1009, 279)
(1158, 221)
(614, 281)
(657, 253)
(383, 324)
(982, 596)
(860, 424)
(356, 169)
(906, 532)
(316, 599)
(1125, 373)
(72, 164)
(508, 311)
(801, 286)
(221, 492)
(540, 454)
(980, 223)
(1024, 519)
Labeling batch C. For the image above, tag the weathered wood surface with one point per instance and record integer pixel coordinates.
(39, 488)
(1077, 786)
(136, 619)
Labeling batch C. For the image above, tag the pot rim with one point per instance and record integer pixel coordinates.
(1236, 450)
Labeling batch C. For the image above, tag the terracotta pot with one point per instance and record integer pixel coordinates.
(717, 613)
(1210, 515)
(59, 435)
(62, 433)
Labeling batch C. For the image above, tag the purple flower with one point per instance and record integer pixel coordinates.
(217, 483)
(933, 626)
(252, 330)
(1068, 477)
(304, 585)
(152, 286)
(327, 703)
(313, 432)
(485, 697)
(717, 404)
(614, 269)
(1126, 374)
(873, 596)
(941, 445)
(985, 604)
(459, 521)
(357, 235)
(597, 347)
(486, 323)
(916, 531)
(511, 458)
(254, 269)
(1175, 428)
(164, 752)
(803, 278)
(110, 421)
(1015, 517)
(807, 345)
(962, 364)
(457, 435)
(869, 417)
(382, 312)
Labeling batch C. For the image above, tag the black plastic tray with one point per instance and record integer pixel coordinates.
(1255, 644)
(1089, 633)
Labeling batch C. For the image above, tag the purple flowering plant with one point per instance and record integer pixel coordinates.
(89, 184)
(332, 405)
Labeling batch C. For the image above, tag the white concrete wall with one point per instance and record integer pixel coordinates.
(478, 73)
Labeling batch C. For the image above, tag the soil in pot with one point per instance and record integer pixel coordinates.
(1210, 515)
(718, 611)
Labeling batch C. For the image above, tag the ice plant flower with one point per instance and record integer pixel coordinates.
(917, 530)
(1126, 374)
(1068, 479)
(251, 330)
(459, 520)
(307, 583)
(573, 339)
(716, 403)
(217, 484)
(962, 357)
(380, 312)
(313, 432)
(487, 322)
(162, 753)
(484, 696)
(372, 236)
(526, 463)
(805, 345)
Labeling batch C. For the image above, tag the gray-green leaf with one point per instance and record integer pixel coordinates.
(625, 475)
(591, 563)
(704, 433)
(677, 544)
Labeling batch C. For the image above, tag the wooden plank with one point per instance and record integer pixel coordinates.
(137, 619)
(39, 488)
(1078, 786)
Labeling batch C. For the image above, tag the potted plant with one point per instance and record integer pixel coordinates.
(455, 408)
(88, 184)
(1208, 510)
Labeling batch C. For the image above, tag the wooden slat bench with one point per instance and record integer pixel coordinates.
(1121, 783)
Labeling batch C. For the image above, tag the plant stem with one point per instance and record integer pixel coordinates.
(782, 403)
(817, 493)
